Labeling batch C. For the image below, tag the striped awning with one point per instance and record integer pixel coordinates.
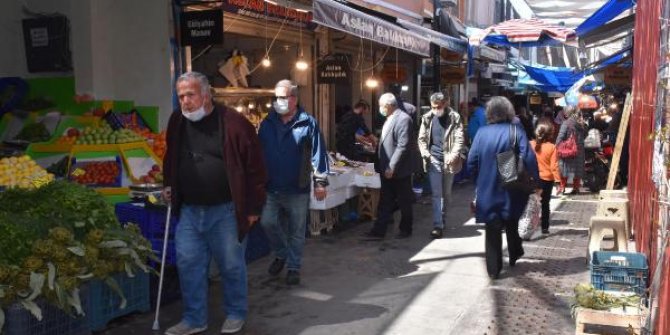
(520, 32)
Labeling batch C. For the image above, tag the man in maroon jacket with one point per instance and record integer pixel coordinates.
(215, 179)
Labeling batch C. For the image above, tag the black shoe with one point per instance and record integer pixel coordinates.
(436, 233)
(545, 231)
(494, 276)
(292, 277)
(276, 266)
(512, 260)
(402, 235)
(372, 236)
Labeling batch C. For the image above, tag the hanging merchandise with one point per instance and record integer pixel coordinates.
(235, 69)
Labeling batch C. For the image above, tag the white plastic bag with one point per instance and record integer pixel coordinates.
(530, 219)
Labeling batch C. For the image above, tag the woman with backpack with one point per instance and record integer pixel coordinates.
(547, 163)
(570, 149)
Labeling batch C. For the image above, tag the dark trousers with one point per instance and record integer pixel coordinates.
(547, 186)
(395, 193)
(494, 244)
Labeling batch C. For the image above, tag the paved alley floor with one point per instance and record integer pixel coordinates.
(414, 286)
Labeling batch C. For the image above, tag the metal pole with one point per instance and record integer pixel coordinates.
(435, 48)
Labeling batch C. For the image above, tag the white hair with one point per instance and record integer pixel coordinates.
(388, 99)
(205, 88)
(292, 88)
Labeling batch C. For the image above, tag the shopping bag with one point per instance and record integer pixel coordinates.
(530, 219)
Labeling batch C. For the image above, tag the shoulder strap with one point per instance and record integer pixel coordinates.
(512, 137)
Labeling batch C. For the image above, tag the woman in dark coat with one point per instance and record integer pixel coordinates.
(495, 206)
(574, 124)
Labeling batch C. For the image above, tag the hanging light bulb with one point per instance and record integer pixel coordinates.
(268, 105)
(301, 64)
(266, 62)
(404, 88)
(239, 108)
(251, 105)
(372, 82)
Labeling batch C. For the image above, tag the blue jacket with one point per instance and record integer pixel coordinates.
(477, 120)
(494, 202)
(293, 152)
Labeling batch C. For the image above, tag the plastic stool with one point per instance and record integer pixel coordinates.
(613, 194)
(597, 228)
(616, 208)
(368, 200)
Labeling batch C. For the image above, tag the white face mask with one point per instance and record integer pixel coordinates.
(281, 106)
(438, 112)
(382, 111)
(195, 115)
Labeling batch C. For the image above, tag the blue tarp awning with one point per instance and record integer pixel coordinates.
(604, 14)
(560, 79)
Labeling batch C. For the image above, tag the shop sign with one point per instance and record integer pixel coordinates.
(341, 17)
(201, 27)
(265, 10)
(618, 76)
(333, 70)
(452, 75)
(493, 54)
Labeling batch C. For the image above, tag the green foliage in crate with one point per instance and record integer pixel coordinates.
(54, 238)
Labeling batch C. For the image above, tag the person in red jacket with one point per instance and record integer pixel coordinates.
(547, 163)
(215, 179)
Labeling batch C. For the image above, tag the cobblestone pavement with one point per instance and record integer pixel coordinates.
(417, 285)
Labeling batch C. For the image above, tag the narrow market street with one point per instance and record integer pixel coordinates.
(415, 286)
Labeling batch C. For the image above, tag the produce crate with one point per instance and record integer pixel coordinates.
(19, 321)
(152, 224)
(103, 303)
(117, 160)
(619, 271)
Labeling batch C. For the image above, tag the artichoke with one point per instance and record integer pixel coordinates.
(95, 236)
(33, 263)
(61, 235)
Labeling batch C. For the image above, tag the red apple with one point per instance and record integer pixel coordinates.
(156, 168)
(153, 173)
(73, 132)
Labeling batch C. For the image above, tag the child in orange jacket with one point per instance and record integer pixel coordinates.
(547, 163)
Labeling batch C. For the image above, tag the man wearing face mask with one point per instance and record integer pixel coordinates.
(395, 167)
(442, 147)
(296, 155)
(215, 179)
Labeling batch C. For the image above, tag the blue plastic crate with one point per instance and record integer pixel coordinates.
(103, 303)
(19, 321)
(150, 220)
(171, 255)
(619, 271)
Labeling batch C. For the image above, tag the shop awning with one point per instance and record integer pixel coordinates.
(607, 12)
(338, 16)
(440, 39)
(524, 33)
(616, 29)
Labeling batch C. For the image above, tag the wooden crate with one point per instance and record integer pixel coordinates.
(615, 318)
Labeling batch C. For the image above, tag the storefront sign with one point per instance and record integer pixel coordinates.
(618, 76)
(341, 17)
(333, 70)
(200, 28)
(452, 75)
(262, 10)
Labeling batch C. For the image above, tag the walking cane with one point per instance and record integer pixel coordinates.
(160, 281)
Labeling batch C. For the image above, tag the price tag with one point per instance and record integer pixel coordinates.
(40, 181)
(107, 105)
(78, 172)
(152, 199)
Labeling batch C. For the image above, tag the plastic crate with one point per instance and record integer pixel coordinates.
(619, 271)
(19, 321)
(74, 165)
(171, 255)
(258, 244)
(150, 220)
(103, 303)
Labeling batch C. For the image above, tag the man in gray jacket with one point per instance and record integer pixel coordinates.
(395, 167)
(442, 147)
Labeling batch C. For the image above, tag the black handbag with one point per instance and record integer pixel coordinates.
(513, 175)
